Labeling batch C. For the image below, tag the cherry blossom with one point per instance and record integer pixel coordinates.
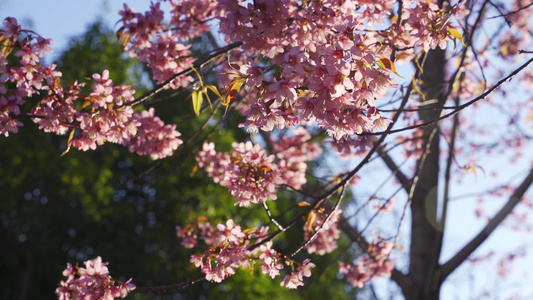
(295, 279)
(91, 282)
(229, 248)
(374, 264)
(326, 239)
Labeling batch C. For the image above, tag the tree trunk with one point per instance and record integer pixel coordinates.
(426, 227)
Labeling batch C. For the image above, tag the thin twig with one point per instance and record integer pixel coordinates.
(197, 65)
(166, 288)
(315, 234)
(272, 218)
(461, 107)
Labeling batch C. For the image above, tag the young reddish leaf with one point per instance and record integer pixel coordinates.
(69, 141)
(403, 55)
(386, 63)
(233, 65)
(201, 219)
(233, 89)
(303, 203)
(194, 170)
(187, 229)
(310, 220)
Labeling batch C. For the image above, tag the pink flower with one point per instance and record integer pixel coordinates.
(153, 137)
(326, 239)
(94, 282)
(248, 173)
(295, 279)
(292, 281)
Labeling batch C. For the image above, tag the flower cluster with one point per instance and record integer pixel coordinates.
(229, 249)
(146, 38)
(428, 25)
(109, 120)
(248, 172)
(105, 115)
(325, 241)
(375, 263)
(292, 153)
(29, 77)
(91, 282)
(295, 279)
(153, 137)
(251, 175)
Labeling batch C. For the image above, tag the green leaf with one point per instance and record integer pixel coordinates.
(197, 99)
(457, 36)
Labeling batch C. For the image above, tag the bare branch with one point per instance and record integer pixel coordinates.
(395, 169)
(463, 254)
(166, 288)
(272, 218)
(197, 65)
(460, 107)
(341, 194)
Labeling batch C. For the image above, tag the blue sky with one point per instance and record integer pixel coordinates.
(62, 19)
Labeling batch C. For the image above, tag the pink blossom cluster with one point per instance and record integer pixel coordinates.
(325, 240)
(153, 137)
(190, 18)
(413, 144)
(102, 116)
(333, 86)
(248, 172)
(374, 264)
(229, 249)
(147, 38)
(427, 27)
(295, 279)
(322, 65)
(292, 153)
(251, 175)
(29, 76)
(518, 36)
(109, 120)
(350, 146)
(323, 55)
(385, 206)
(91, 283)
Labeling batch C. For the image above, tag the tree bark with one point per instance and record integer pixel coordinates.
(426, 227)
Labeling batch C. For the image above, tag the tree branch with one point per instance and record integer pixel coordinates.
(459, 108)
(395, 169)
(460, 257)
(197, 65)
(166, 288)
